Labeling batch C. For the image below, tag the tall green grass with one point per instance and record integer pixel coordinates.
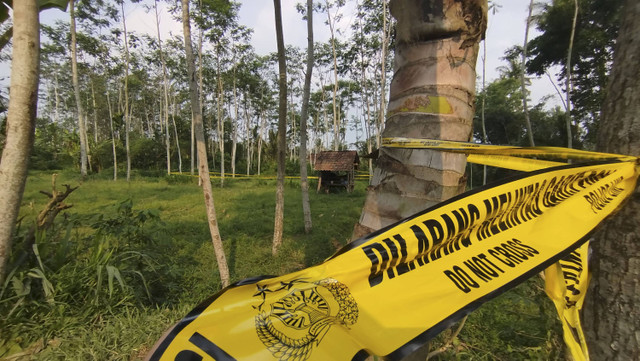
(131, 258)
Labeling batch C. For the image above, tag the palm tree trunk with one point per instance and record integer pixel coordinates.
(431, 96)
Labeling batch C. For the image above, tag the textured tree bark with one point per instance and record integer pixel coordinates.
(612, 309)
(20, 128)
(282, 130)
(76, 91)
(432, 96)
(203, 163)
(304, 114)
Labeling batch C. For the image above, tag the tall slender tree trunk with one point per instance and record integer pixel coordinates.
(127, 116)
(220, 120)
(523, 79)
(260, 133)
(248, 138)
(282, 130)
(568, 83)
(175, 133)
(336, 117)
(21, 116)
(304, 115)
(113, 138)
(95, 114)
(234, 141)
(57, 99)
(203, 166)
(386, 31)
(485, 139)
(165, 87)
(76, 90)
(612, 308)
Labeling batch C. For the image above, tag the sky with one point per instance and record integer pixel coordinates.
(505, 29)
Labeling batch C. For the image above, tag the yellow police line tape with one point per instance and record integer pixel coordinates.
(215, 175)
(389, 292)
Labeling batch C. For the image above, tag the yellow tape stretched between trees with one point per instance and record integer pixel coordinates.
(389, 292)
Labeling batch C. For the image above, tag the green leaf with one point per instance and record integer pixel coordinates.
(113, 272)
(42, 4)
(50, 4)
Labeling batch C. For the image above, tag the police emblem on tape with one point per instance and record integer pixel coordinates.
(301, 315)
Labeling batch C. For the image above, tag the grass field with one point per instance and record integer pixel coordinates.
(130, 259)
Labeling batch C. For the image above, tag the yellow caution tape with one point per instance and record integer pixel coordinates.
(566, 283)
(515, 163)
(475, 148)
(390, 292)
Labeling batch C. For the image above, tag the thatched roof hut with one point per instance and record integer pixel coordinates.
(336, 169)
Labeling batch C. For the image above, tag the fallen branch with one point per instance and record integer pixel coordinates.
(449, 343)
(46, 217)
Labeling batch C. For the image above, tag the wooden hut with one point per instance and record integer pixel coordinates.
(336, 169)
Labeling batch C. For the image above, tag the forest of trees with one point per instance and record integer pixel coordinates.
(131, 109)
(131, 106)
(114, 102)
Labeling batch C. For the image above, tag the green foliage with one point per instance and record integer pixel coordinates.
(147, 153)
(54, 147)
(592, 54)
(112, 275)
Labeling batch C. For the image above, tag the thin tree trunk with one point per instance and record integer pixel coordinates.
(127, 121)
(304, 115)
(260, 133)
(57, 98)
(485, 139)
(220, 122)
(336, 118)
(248, 139)
(234, 125)
(383, 71)
(203, 166)
(568, 76)
(165, 85)
(200, 94)
(95, 115)
(282, 130)
(20, 126)
(113, 138)
(175, 133)
(76, 90)
(523, 84)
